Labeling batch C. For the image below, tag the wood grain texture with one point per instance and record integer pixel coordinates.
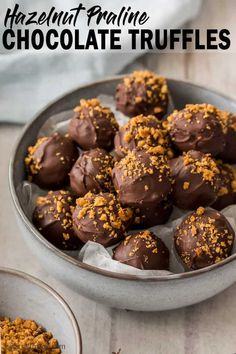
(206, 328)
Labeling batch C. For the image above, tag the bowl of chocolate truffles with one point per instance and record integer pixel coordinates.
(126, 191)
(34, 318)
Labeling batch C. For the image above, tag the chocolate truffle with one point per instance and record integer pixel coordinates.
(203, 238)
(93, 125)
(196, 180)
(227, 191)
(142, 180)
(52, 216)
(92, 172)
(197, 127)
(50, 160)
(142, 92)
(144, 133)
(151, 216)
(101, 218)
(143, 250)
(229, 152)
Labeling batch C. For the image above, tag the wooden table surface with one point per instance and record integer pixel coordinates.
(206, 328)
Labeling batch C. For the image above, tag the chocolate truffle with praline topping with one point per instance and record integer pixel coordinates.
(198, 127)
(203, 238)
(144, 133)
(141, 179)
(101, 218)
(143, 250)
(92, 172)
(227, 192)
(53, 218)
(196, 180)
(142, 92)
(151, 216)
(93, 125)
(50, 160)
(229, 152)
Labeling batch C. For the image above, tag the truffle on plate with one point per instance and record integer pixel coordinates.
(203, 238)
(92, 172)
(143, 250)
(52, 216)
(151, 216)
(101, 218)
(227, 191)
(196, 180)
(93, 125)
(50, 160)
(229, 152)
(145, 133)
(198, 127)
(142, 92)
(141, 179)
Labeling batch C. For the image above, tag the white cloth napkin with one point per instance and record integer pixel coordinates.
(31, 79)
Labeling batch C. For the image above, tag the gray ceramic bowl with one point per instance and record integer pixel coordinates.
(22, 295)
(113, 289)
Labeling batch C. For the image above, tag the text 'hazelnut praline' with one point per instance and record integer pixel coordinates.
(227, 191)
(93, 125)
(52, 216)
(101, 218)
(143, 250)
(145, 133)
(92, 172)
(229, 152)
(198, 127)
(203, 238)
(50, 160)
(142, 180)
(196, 180)
(142, 92)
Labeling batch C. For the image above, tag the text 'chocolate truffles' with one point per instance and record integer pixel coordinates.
(93, 125)
(142, 92)
(203, 238)
(143, 250)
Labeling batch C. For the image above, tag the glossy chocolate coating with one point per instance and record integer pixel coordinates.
(142, 92)
(143, 250)
(229, 152)
(92, 172)
(93, 126)
(227, 191)
(197, 127)
(142, 180)
(196, 180)
(151, 216)
(145, 133)
(101, 218)
(203, 238)
(49, 161)
(52, 216)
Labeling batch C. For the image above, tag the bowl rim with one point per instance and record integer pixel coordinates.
(87, 267)
(56, 295)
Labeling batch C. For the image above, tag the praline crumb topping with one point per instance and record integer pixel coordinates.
(206, 167)
(92, 106)
(104, 208)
